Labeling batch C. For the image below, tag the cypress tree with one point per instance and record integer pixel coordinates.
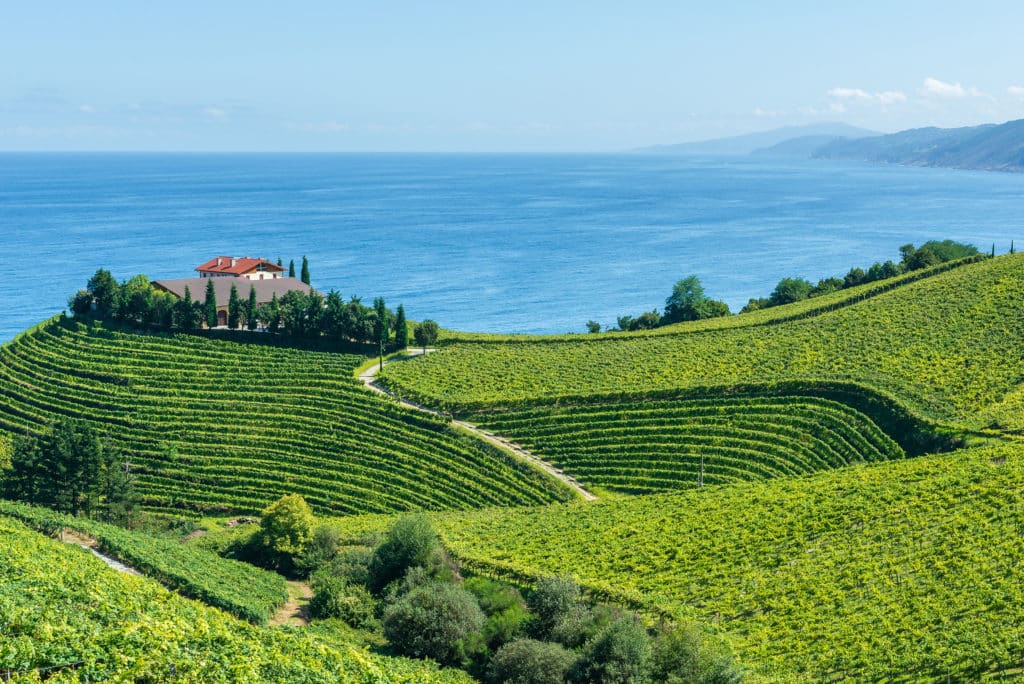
(184, 312)
(1011, 246)
(380, 326)
(993, 249)
(279, 262)
(291, 268)
(401, 329)
(210, 306)
(305, 270)
(250, 309)
(234, 308)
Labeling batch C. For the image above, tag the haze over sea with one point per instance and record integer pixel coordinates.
(500, 243)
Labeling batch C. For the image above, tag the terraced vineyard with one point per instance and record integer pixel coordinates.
(948, 346)
(66, 617)
(645, 446)
(900, 571)
(225, 427)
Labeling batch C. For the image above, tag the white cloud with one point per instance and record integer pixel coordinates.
(884, 98)
(933, 87)
(1016, 91)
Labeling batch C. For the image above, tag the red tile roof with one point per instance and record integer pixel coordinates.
(237, 265)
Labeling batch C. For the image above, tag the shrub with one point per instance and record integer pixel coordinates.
(321, 549)
(433, 621)
(550, 601)
(581, 624)
(411, 541)
(620, 654)
(286, 527)
(333, 597)
(504, 607)
(525, 661)
(684, 654)
(352, 564)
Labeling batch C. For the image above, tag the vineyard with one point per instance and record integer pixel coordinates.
(238, 588)
(639, 447)
(946, 345)
(908, 570)
(222, 427)
(66, 617)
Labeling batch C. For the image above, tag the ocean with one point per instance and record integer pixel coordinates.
(500, 243)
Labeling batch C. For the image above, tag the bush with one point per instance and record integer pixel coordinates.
(504, 607)
(433, 621)
(620, 654)
(351, 564)
(410, 542)
(286, 527)
(321, 549)
(525, 661)
(687, 655)
(581, 624)
(333, 597)
(550, 601)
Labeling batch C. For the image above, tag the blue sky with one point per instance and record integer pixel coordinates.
(480, 76)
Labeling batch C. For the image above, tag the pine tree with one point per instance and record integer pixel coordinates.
(210, 306)
(250, 309)
(401, 329)
(305, 270)
(380, 326)
(184, 312)
(273, 314)
(291, 268)
(234, 308)
(993, 249)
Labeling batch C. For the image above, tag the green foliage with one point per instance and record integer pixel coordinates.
(210, 305)
(504, 607)
(684, 304)
(239, 588)
(321, 549)
(641, 445)
(62, 605)
(401, 329)
(411, 542)
(865, 573)
(80, 303)
(593, 327)
(685, 654)
(552, 599)
(291, 268)
(235, 308)
(104, 291)
(6, 451)
(944, 345)
(286, 526)
(526, 661)
(426, 333)
(333, 597)
(790, 290)
(251, 310)
(186, 314)
(206, 433)
(433, 621)
(620, 654)
(304, 275)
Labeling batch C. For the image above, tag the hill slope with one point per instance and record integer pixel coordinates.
(747, 143)
(947, 346)
(226, 427)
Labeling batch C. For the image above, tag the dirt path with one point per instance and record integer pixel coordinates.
(72, 537)
(369, 378)
(296, 611)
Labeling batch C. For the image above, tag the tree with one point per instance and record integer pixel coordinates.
(279, 262)
(333, 597)
(186, 313)
(923, 257)
(790, 290)
(334, 316)
(210, 305)
(104, 290)
(401, 328)
(271, 314)
(381, 326)
(251, 315)
(234, 308)
(525, 661)
(135, 300)
(684, 654)
(684, 302)
(80, 303)
(305, 270)
(411, 542)
(285, 527)
(433, 621)
(620, 654)
(593, 326)
(426, 334)
(291, 268)
(855, 277)
(551, 600)
(646, 321)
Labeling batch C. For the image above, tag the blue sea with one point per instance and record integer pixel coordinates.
(502, 243)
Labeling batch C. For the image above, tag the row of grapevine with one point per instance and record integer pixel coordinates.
(223, 427)
(66, 617)
(946, 346)
(646, 446)
(239, 588)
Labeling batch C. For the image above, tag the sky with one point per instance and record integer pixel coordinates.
(524, 76)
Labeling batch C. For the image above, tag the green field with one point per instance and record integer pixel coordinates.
(61, 606)
(222, 427)
(947, 346)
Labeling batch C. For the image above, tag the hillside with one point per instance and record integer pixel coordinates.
(747, 143)
(987, 147)
(213, 426)
(60, 606)
(945, 346)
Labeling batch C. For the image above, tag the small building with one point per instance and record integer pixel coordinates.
(265, 290)
(240, 267)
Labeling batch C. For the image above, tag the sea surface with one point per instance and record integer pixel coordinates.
(502, 243)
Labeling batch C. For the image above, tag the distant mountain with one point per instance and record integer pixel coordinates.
(745, 144)
(988, 147)
(802, 147)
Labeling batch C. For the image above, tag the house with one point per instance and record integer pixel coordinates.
(240, 267)
(265, 290)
